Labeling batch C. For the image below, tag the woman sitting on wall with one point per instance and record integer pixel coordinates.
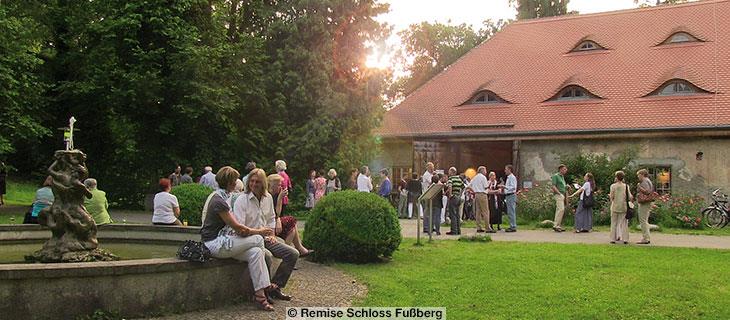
(167, 209)
(286, 227)
(43, 198)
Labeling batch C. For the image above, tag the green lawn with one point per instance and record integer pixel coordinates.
(502, 280)
(20, 192)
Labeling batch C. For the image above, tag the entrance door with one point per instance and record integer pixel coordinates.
(492, 154)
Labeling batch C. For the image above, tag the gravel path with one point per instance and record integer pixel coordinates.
(308, 287)
(408, 229)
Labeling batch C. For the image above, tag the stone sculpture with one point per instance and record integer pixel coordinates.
(73, 230)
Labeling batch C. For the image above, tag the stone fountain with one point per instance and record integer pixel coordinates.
(73, 230)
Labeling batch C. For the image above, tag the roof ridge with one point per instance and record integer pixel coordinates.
(617, 12)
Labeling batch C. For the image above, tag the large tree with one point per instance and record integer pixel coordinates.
(219, 82)
(649, 3)
(531, 9)
(22, 80)
(428, 48)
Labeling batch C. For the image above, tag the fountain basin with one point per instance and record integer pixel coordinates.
(129, 288)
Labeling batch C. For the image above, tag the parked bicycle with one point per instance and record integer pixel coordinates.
(717, 215)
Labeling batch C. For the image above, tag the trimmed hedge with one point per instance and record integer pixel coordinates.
(191, 197)
(350, 226)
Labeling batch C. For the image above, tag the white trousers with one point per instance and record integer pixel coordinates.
(410, 210)
(249, 249)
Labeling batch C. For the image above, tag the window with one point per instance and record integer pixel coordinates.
(487, 97)
(661, 177)
(677, 87)
(587, 45)
(573, 92)
(681, 37)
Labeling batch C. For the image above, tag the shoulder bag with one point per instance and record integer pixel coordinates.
(588, 201)
(629, 205)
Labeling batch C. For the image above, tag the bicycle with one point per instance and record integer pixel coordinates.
(717, 215)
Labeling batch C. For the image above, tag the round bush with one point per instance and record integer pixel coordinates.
(350, 226)
(191, 197)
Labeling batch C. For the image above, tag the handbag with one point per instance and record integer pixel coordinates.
(629, 205)
(588, 201)
(646, 197)
(193, 251)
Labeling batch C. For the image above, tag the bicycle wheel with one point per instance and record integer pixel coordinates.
(714, 218)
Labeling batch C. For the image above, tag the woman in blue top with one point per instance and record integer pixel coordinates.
(43, 198)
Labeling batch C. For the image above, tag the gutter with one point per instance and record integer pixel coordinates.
(586, 132)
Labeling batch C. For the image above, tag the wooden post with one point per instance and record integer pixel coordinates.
(516, 157)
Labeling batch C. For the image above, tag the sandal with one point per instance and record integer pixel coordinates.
(309, 252)
(262, 302)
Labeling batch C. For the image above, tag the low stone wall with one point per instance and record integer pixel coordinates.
(131, 288)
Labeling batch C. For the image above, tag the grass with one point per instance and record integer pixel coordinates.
(20, 193)
(503, 280)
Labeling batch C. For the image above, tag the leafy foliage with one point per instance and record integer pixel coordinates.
(678, 211)
(351, 226)
(21, 81)
(431, 47)
(191, 198)
(531, 9)
(191, 82)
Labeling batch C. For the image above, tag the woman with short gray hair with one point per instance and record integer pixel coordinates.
(286, 184)
(97, 205)
(645, 195)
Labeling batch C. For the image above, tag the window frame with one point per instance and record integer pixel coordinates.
(587, 95)
(654, 171)
(596, 46)
(690, 38)
(695, 90)
(486, 94)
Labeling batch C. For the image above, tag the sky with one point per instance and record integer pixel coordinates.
(406, 12)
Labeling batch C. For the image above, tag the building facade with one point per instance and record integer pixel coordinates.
(653, 80)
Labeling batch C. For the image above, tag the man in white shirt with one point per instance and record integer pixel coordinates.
(364, 184)
(208, 178)
(479, 185)
(255, 209)
(427, 176)
(426, 181)
(510, 188)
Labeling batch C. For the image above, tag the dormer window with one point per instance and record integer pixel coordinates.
(485, 97)
(681, 37)
(573, 92)
(677, 87)
(587, 45)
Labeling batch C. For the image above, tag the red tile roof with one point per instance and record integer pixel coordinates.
(528, 62)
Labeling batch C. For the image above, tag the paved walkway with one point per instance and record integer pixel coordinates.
(311, 285)
(408, 229)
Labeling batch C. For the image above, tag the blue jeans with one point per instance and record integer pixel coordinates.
(512, 210)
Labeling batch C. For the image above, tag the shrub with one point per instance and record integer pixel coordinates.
(535, 204)
(352, 226)
(191, 197)
(678, 211)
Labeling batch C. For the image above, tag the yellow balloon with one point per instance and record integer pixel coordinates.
(470, 173)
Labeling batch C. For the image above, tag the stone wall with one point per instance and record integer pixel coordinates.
(539, 159)
(128, 288)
